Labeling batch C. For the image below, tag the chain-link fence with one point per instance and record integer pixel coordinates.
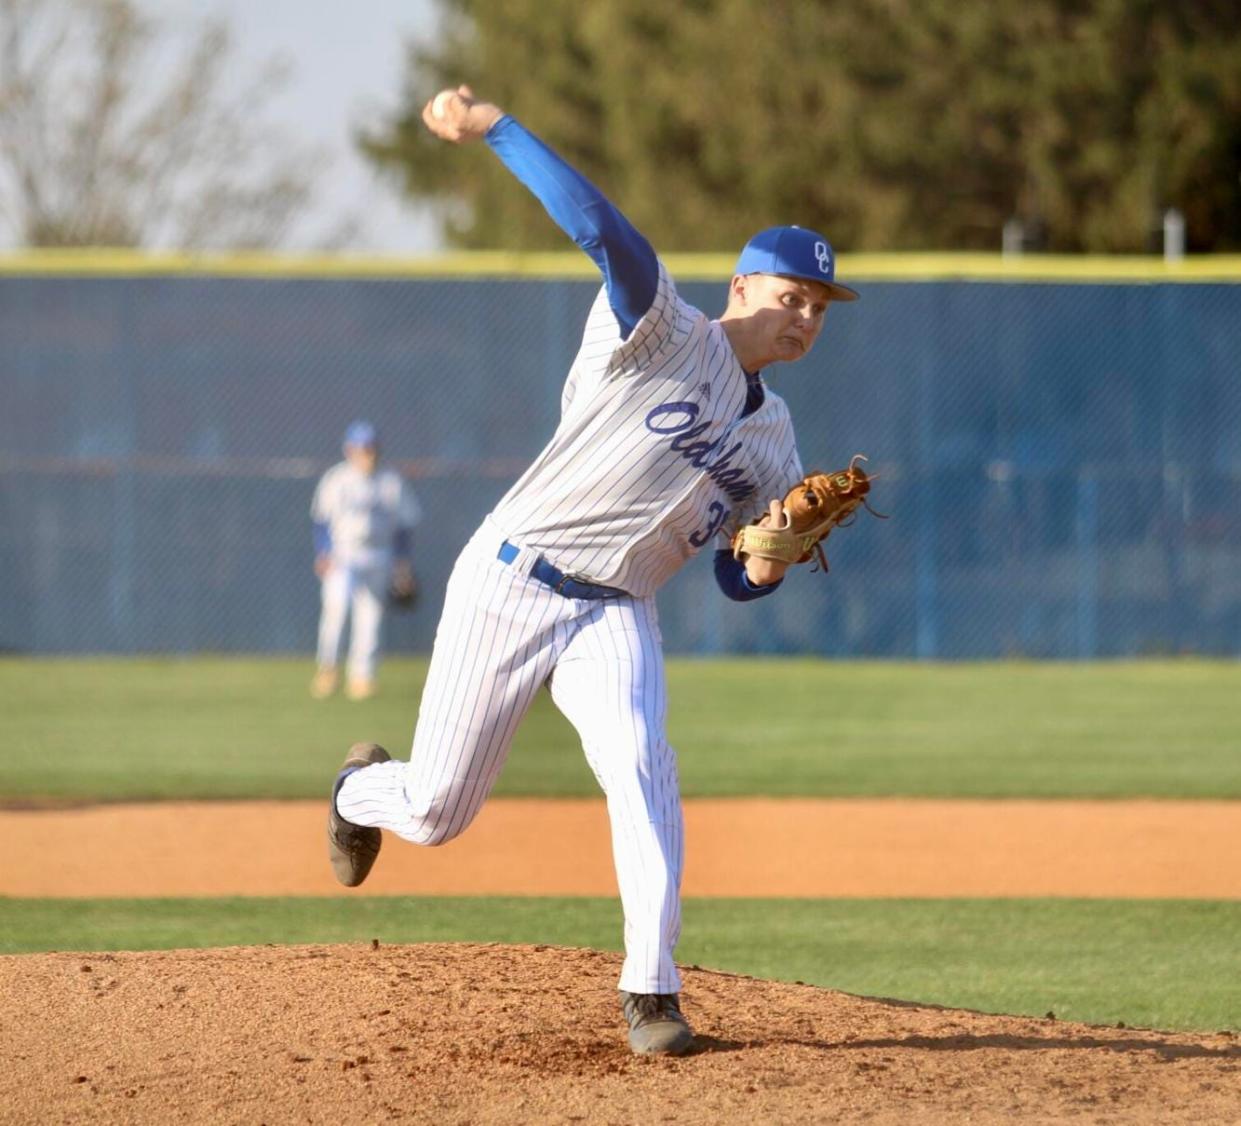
(1061, 461)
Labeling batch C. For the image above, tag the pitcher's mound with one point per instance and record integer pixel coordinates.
(507, 1034)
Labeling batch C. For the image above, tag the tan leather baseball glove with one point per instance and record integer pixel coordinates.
(812, 508)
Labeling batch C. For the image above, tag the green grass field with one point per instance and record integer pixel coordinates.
(217, 728)
(1150, 964)
(82, 730)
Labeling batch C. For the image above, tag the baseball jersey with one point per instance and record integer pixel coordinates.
(363, 512)
(652, 458)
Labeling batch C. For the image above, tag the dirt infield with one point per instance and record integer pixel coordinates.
(506, 1034)
(735, 848)
(502, 1034)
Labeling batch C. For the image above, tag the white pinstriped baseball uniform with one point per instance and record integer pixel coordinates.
(652, 458)
(362, 512)
(665, 445)
(650, 462)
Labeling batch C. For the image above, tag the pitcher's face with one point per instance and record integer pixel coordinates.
(786, 313)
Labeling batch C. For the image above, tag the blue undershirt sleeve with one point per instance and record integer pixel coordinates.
(322, 538)
(403, 543)
(731, 578)
(628, 264)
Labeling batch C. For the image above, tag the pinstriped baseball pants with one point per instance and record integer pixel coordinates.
(501, 637)
(358, 593)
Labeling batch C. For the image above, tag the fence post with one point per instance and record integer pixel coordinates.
(926, 552)
(122, 606)
(1086, 528)
(1012, 238)
(1176, 517)
(1173, 235)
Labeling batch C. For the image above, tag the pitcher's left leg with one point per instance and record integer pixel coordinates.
(609, 683)
(498, 638)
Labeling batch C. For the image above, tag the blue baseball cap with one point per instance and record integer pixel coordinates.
(361, 433)
(795, 252)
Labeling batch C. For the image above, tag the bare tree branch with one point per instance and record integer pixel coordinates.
(99, 145)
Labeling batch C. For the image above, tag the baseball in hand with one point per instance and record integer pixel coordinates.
(439, 107)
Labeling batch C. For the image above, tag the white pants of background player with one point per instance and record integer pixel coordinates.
(357, 592)
(501, 637)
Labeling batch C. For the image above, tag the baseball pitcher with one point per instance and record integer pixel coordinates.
(669, 440)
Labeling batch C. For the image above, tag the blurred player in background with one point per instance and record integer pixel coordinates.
(363, 518)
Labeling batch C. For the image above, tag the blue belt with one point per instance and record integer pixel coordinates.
(555, 578)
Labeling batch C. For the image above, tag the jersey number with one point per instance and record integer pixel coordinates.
(717, 514)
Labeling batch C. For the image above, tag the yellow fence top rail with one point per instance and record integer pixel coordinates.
(572, 265)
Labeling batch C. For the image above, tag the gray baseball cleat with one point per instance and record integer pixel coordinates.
(352, 848)
(656, 1026)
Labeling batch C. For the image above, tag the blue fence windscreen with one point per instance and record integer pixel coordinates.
(1061, 462)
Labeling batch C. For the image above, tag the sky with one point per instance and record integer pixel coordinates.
(345, 65)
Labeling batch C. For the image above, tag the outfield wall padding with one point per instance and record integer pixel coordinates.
(1060, 457)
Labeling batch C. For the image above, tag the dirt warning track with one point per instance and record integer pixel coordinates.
(812, 848)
